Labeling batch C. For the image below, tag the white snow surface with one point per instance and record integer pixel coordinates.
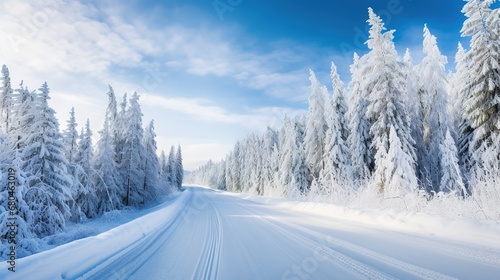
(208, 234)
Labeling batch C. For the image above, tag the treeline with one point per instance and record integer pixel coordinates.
(399, 132)
(56, 177)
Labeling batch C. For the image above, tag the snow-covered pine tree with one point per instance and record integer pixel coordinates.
(23, 115)
(336, 174)
(43, 161)
(11, 167)
(165, 180)
(314, 141)
(70, 140)
(131, 166)
(151, 163)
(70, 137)
(359, 139)
(385, 81)
(106, 177)
(458, 96)
(415, 103)
(400, 169)
(86, 197)
(294, 173)
(433, 88)
(482, 106)
(119, 131)
(269, 167)
(171, 168)
(112, 112)
(179, 167)
(6, 100)
(451, 179)
(457, 84)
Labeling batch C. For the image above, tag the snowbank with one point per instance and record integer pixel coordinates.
(481, 232)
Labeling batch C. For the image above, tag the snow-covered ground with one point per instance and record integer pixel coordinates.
(207, 234)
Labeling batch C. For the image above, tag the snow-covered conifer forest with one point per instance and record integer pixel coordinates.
(400, 135)
(61, 176)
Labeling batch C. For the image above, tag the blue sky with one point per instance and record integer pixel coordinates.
(208, 77)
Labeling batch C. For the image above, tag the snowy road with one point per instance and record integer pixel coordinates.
(216, 235)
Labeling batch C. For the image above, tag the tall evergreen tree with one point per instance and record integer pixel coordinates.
(400, 170)
(86, 194)
(451, 179)
(179, 167)
(70, 140)
(433, 87)
(24, 115)
(359, 138)
(386, 83)
(314, 142)
(482, 106)
(336, 173)
(415, 102)
(131, 166)
(294, 173)
(151, 163)
(70, 137)
(106, 177)
(46, 170)
(6, 100)
(10, 168)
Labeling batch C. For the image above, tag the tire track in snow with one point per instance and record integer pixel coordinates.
(361, 270)
(463, 251)
(128, 260)
(209, 261)
(417, 271)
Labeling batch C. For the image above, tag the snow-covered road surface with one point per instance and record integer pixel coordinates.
(208, 234)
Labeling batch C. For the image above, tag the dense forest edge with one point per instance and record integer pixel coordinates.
(50, 178)
(403, 136)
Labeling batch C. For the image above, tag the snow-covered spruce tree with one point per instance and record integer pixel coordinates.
(314, 141)
(460, 121)
(415, 103)
(70, 140)
(165, 180)
(359, 139)
(131, 166)
(151, 163)
(433, 89)
(170, 171)
(106, 177)
(386, 83)
(400, 170)
(336, 174)
(23, 115)
(451, 179)
(43, 161)
(120, 132)
(233, 169)
(269, 162)
(86, 197)
(112, 113)
(11, 167)
(294, 173)
(179, 167)
(482, 91)
(6, 100)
